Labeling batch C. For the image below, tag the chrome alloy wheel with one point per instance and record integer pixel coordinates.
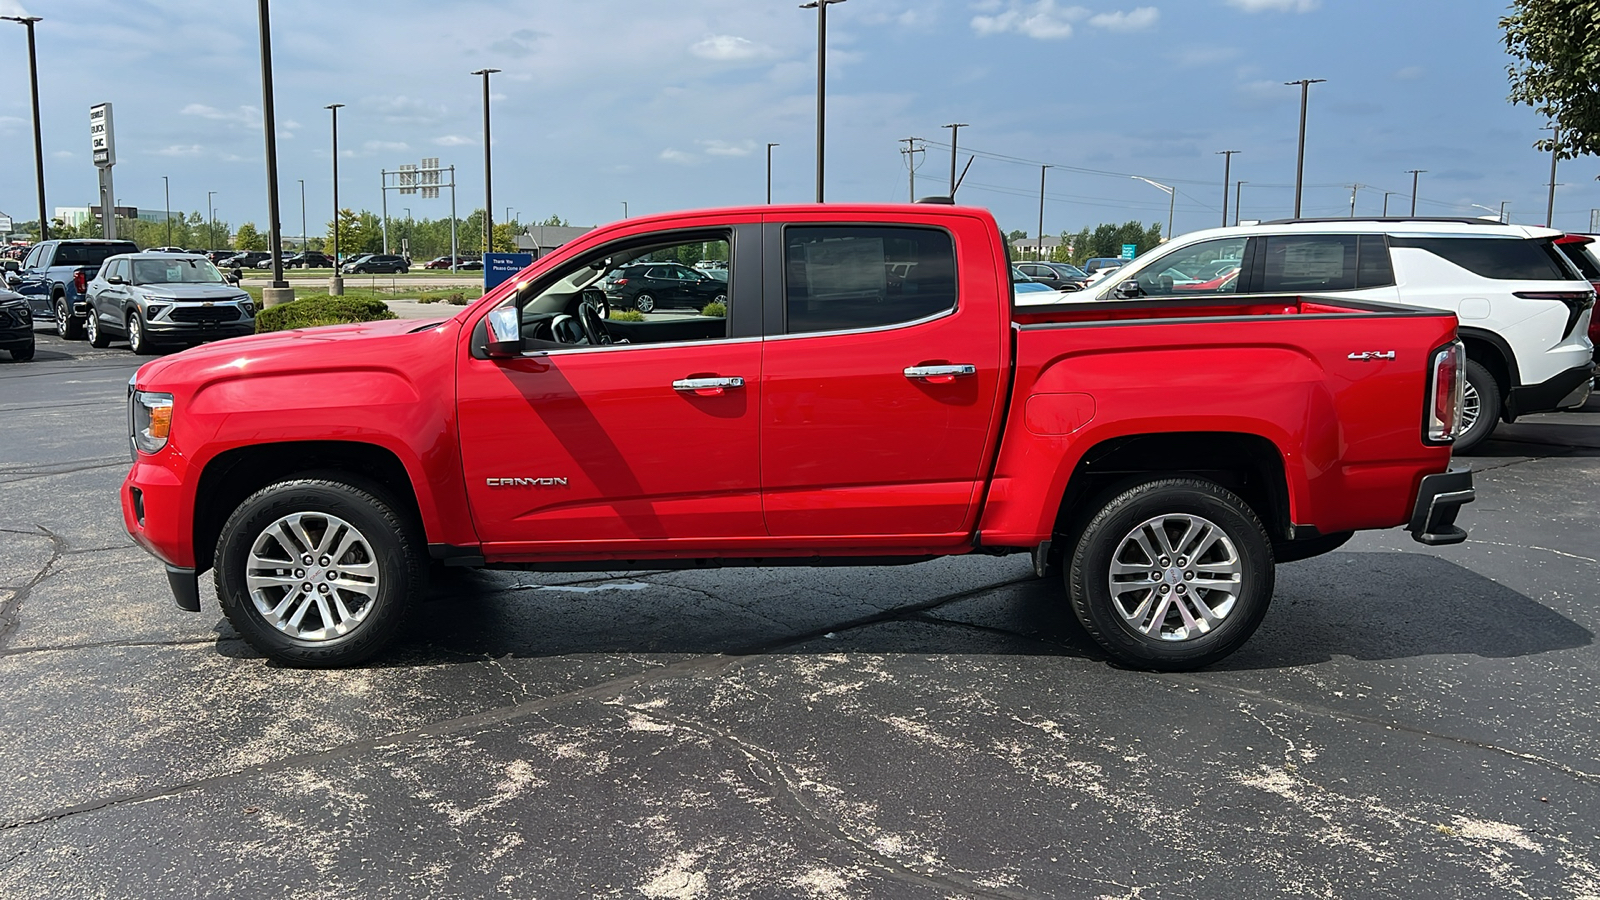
(1175, 577)
(1471, 406)
(312, 576)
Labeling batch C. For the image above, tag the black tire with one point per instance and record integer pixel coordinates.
(1480, 382)
(644, 302)
(98, 339)
(396, 546)
(1089, 573)
(67, 326)
(22, 354)
(138, 341)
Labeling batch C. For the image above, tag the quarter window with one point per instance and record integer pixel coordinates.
(1508, 259)
(840, 278)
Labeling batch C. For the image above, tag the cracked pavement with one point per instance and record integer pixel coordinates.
(1408, 722)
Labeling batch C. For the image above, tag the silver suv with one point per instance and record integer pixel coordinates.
(165, 299)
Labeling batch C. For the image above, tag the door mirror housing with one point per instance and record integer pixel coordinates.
(505, 332)
(116, 279)
(13, 278)
(231, 278)
(1128, 290)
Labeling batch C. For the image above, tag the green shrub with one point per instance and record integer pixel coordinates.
(457, 299)
(715, 309)
(321, 309)
(429, 299)
(627, 315)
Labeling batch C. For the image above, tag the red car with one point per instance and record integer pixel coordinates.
(1579, 249)
(443, 262)
(1163, 454)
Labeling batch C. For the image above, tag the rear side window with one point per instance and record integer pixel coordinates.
(1578, 253)
(89, 254)
(848, 278)
(1499, 258)
(1325, 262)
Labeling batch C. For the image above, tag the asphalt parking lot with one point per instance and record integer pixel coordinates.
(1408, 722)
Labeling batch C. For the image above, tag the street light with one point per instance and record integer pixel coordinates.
(279, 291)
(1555, 155)
(624, 209)
(211, 219)
(955, 129)
(1172, 200)
(336, 283)
(770, 145)
(166, 188)
(302, 218)
(821, 6)
(1040, 252)
(1414, 173)
(1386, 202)
(1300, 164)
(38, 139)
(1227, 163)
(488, 198)
(1238, 188)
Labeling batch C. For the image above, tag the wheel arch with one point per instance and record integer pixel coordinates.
(231, 476)
(1491, 351)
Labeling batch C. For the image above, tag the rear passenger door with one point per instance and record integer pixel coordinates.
(879, 393)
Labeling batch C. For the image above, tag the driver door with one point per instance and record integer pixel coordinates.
(579, 449)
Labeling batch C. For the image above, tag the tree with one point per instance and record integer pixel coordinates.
(1556, 44)
(248, 238)
(1107, 240)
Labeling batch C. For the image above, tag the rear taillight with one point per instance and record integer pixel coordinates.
(620, 282)
(1575, 301)
(80, 281)
(1446, 384)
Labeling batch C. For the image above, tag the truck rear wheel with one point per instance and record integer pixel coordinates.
(67, 326)
(318, 573)
(1172, 574)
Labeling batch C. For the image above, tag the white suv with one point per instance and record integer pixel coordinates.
(1523, 308)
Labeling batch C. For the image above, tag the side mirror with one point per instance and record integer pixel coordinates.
(231, 278)
(13, 279)
(505, 332)
(116, 279)
(1128, 290)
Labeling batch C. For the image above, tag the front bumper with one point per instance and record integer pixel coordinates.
(1439, 498)
(159, 331)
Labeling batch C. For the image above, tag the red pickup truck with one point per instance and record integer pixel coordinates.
(867, 395)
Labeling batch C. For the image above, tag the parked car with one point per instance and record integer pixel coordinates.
(377, 264)
(55, 278)
(244, 260)
(1525, 311)
(471, 265)
(16, 326)
(1099, 265)
(443, 262)
(1060, 276)
(309, 259)
(267, 262)
(1579, 250)
(157, 299)
(1164, 463)
(1021, 288)
(649, 286)
(166, 250)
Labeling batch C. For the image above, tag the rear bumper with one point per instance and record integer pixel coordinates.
(1439, 498)
(1546, 395)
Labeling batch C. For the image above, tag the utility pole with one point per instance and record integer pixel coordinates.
(279, 291)
(1555, 155)
(1414, 173)
(821, 6)
(211, 221)
(38, 138)
(1353, 188)
(1504, 220)
(166, 189)
(624, 209)
(488, 198)
(1227, 164)
(302, 218)
(955, 129)
(1386, 202)
(911, 152)
(1042, 170)
(336, 283)
(1238, 188)
(1300, 163)
(770, 145)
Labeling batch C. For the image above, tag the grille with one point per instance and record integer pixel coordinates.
(204, 314)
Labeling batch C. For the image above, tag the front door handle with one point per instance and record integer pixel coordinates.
(708, 387)
(943, 374)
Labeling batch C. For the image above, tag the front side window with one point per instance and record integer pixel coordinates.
(1508, 259)
(1209, 267)
(846, 278)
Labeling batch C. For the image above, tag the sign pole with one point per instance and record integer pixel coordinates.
(103, 142)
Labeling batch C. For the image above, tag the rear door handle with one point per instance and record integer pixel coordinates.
(708, 387)
(943, 374)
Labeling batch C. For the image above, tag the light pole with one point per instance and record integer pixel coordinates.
(211, 220)
(1300, 164)
(488, 196)
(955, 129)
(336, 282)
(302, 218)
(1555, 155)
(1227, 164)
(1172, 201)
(624, 209)
(1386, 202)
(1414, 173)
(1042, 170)
(1238, 188)
(770, 145)
(279, 291)
(821, 6)
(38, 139)
(166, 189)
(1484, 208)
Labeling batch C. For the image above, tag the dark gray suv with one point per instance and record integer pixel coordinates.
(156, 299)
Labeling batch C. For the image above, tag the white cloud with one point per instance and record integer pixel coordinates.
(403, 110)
(391, 146)
(248, 116)
(63, 154)
(723, 148)
(1409, 73)
(181, 150)
(453, 140)
(1132, 20)
(12, 8)
(676, 156)
(1255, 6)
(1042, 19)
(729, 48)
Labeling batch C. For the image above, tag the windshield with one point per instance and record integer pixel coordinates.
(175, 271)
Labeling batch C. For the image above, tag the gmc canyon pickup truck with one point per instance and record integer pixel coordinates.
(867, 396)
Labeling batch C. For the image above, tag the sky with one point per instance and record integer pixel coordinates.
(670, 105)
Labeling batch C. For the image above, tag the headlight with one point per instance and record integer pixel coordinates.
(149, 420)
(245, 306)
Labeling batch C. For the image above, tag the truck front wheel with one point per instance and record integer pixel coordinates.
(318, 573)
(1172, 575)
